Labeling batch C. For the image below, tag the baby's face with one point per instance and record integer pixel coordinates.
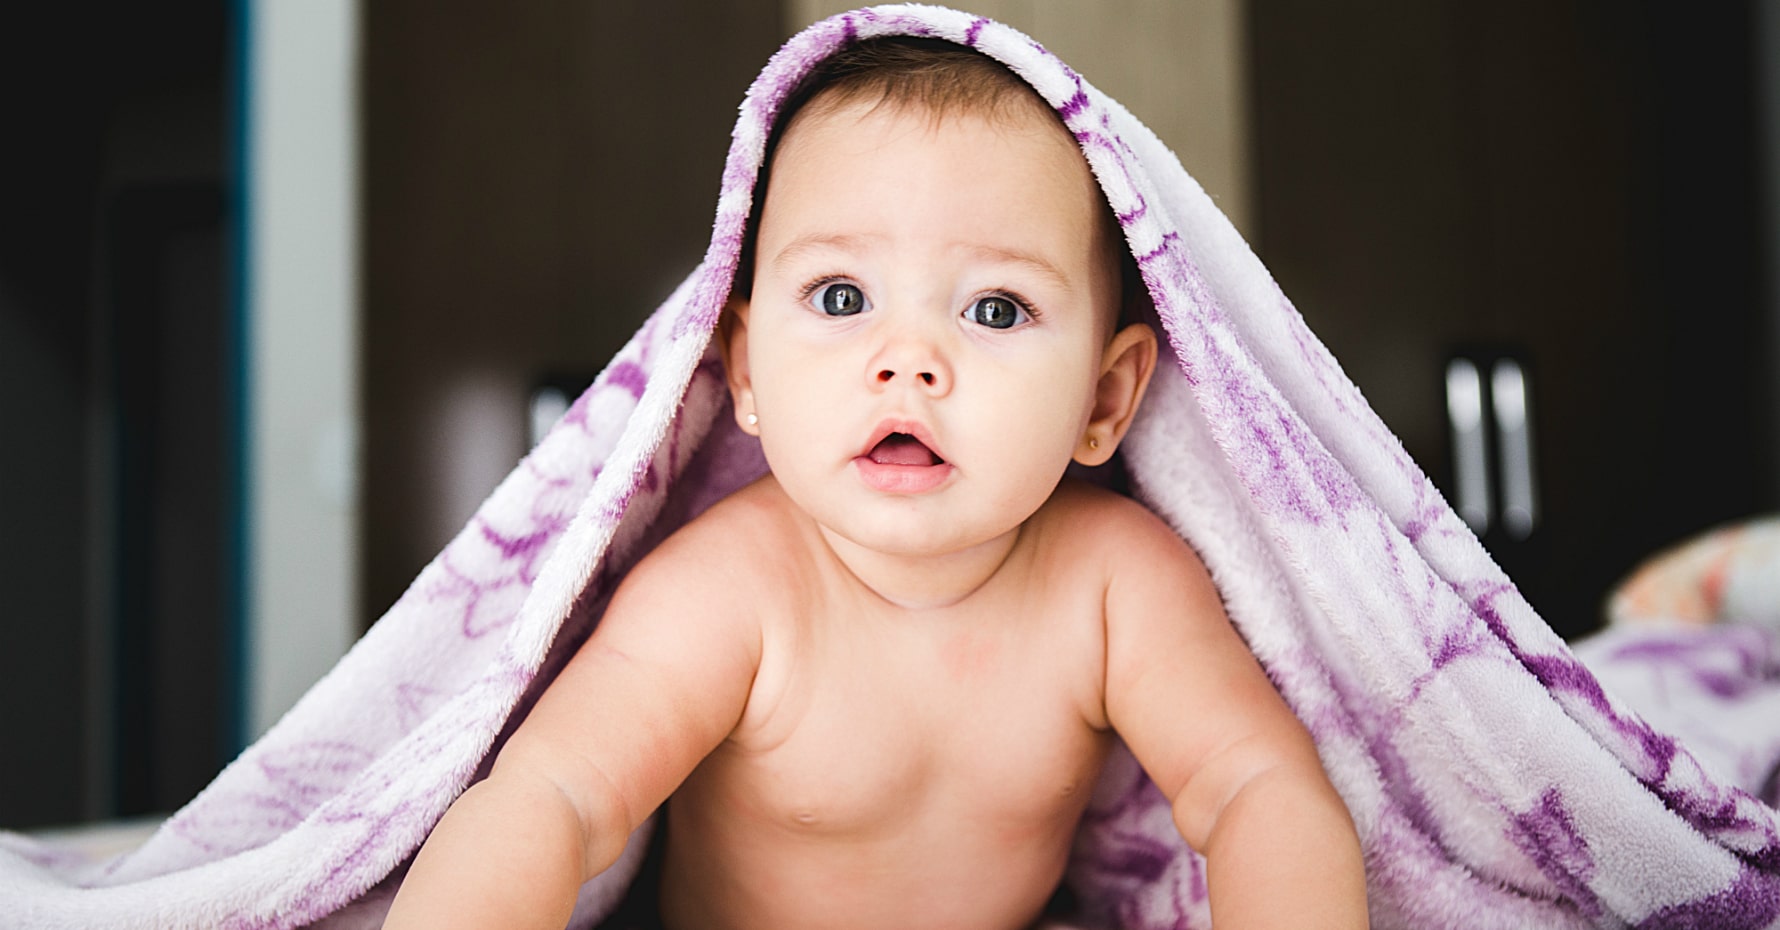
(927, 322)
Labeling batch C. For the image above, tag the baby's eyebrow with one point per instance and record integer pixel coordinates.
(1035, 263)
(819, 242)
(850, 242)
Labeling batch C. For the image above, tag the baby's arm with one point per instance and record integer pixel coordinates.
(662, 682)
(1197, 711)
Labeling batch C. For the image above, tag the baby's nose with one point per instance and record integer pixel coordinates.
(925, 377)
(911, 363)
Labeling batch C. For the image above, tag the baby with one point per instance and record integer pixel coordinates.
(879, 683)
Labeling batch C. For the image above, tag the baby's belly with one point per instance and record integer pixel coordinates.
(922, 879)
(951, 853)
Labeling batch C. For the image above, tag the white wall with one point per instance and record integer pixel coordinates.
(302, 288)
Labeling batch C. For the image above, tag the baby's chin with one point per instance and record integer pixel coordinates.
(922, 532)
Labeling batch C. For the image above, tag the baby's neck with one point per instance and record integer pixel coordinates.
(923, 582)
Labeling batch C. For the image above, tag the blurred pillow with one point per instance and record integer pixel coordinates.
(1727, 575)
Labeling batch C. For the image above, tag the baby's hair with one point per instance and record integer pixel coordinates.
(934, 75)
(939, 77)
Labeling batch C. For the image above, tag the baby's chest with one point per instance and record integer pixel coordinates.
(876, 749)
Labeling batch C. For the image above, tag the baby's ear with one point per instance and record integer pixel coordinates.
(1125, 372)
(732, 344)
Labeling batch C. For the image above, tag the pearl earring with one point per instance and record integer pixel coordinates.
(753, 420)
(1093, 442)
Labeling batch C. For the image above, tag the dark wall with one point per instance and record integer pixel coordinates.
(116, 456)
(1571, 183)
(537, 177)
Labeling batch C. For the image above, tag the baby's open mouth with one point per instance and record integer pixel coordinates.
(902, 449)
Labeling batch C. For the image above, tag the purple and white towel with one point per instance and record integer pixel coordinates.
(1693, 643)
(1493, 781)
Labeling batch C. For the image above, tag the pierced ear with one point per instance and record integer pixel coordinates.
(1125, 373)
(732, 344)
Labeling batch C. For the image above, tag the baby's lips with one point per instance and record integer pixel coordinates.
(915, 447)
(903, 449)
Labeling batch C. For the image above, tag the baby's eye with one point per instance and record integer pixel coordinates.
(840, 299)
(995, 312)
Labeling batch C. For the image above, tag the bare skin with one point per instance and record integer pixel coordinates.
(909, 766)
(879, 693)
(868, 746)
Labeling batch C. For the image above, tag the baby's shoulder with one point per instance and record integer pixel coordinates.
(1082, 520)
(744, 540)
(1153, 579)
(747, 520)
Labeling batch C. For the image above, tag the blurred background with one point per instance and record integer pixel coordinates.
(285, 283)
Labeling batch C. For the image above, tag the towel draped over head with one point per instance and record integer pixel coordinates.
(1493, 782)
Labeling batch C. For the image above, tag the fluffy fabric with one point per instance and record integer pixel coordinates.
(1693, 644)
(1719, 685)
(1494, 782)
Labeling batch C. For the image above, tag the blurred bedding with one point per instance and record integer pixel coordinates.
(1693, 644)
